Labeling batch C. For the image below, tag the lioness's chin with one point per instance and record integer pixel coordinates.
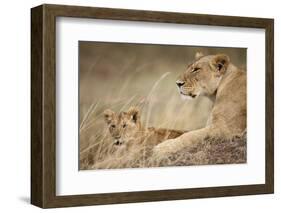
(188, 97)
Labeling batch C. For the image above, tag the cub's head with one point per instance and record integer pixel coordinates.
(202, 77)
(124, 126)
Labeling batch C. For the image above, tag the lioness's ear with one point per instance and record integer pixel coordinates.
(198, 55)
(221, 62)
(134, 114)
(108, 115)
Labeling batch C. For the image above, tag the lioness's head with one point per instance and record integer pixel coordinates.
(202, 77)
(124, 126)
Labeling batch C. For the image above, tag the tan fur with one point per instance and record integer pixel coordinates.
(215, 77)
(126, 129)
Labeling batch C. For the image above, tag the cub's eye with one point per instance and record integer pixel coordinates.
(124, 125)
(195, 69)
(112, 126)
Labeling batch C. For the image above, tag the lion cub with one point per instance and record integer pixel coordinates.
(126, 129)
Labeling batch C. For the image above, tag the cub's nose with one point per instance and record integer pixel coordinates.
(179, 83)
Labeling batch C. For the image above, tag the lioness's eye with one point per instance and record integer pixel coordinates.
(124, 125)
(195, 69)
(113, 126)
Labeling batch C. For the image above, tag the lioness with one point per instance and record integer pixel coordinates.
(126, 129)
(216, 77)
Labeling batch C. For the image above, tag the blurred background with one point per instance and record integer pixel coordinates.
(120, 75)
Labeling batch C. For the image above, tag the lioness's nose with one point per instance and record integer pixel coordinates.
(180, 83)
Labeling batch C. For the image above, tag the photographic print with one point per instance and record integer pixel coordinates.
(121, 99)
(151, 105)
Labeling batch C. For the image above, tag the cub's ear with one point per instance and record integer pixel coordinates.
(198, 55)
(221, 62)
(134, 114)
(108, 115)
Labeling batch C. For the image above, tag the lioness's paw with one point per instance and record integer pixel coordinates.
(164, 149)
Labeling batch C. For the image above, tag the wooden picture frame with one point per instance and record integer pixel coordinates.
(43, 105)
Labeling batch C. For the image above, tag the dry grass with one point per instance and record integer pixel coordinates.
(118, 76)
(210, 151)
